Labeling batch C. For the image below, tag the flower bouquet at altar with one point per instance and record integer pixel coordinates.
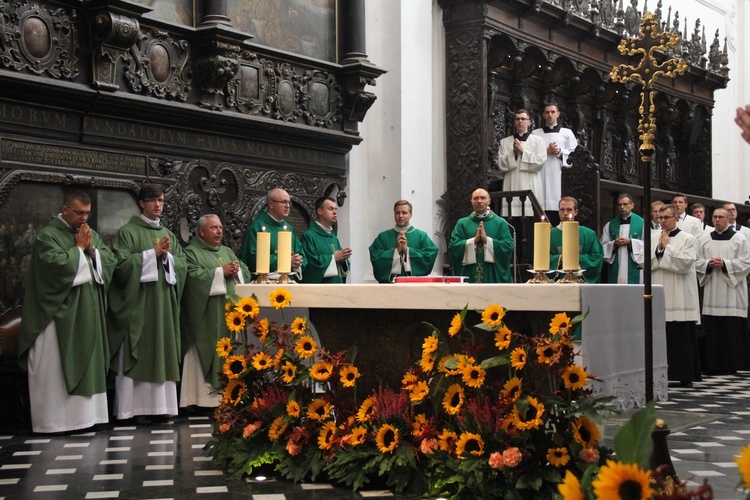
(483, 413)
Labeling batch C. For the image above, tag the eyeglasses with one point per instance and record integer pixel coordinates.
(666, 217)
(282, 202)
(521, 119)
(79, 213)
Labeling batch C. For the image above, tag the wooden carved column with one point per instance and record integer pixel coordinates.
(215, 12)
(466, 106)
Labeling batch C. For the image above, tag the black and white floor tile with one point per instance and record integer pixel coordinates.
(710, 422)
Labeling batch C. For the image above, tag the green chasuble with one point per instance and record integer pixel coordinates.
(590, 252)
(250, 247)
(318, 246)
(502, 243)
(634, 233)
(203, 314)
(79, 312)
(422, 254)
(144, 318)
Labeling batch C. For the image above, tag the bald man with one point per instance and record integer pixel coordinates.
(481, 244)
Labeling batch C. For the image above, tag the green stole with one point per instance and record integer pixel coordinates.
(636, 232)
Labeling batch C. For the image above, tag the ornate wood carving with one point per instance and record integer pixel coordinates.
(113, 36)
(215, 70)
(582, 182)
(38, 38)
(251, 91)
(159, 66)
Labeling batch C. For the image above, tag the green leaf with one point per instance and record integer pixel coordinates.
(633, 443)
(579, 318)
(494, 361)
(351, 354)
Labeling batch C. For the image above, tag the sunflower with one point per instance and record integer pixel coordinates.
(512, 389)
(622, 481)
(234, 391)
(456, 325)
(451, 357)
(532, 414)
(469, 443)
(493, 316)
(743, 462)
(387, 438)
(224, 347)
(248, 307)
(305, 347)
(586, 432)
(518, 358)
(293, 409)
(419, 424)
(419, 392)
(228, 305)
(574, 377)
(548, 353)
(299, 326)
(358, 436)
(409, 381)
(447, 440)
(349, 376)
(235, 321)
(454, 399)
(559, 324)
(429, 345)
(262, 361)
(321, 371)
(427, 363)
(473, 376)
(319, 410)
(261, 329)
(502, 337)
(280, 298)
(234, 366)
(288, 372)
(277, 358)
(558, 456)
(366, 410)
(327, 433)
(277, 428)
(570, 488)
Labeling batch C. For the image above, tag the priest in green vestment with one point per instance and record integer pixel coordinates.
(481, 245)
(63, 342)
(622, 240)
(273, 220)
(403, 250)
(144, 313)
(327, 262)
(212, 271)
(590, 252)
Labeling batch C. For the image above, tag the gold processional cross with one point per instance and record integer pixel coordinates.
(653, 48)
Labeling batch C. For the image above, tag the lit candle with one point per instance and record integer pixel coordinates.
(570, 245)
(285, 251)
(541, 245)
(263, 253)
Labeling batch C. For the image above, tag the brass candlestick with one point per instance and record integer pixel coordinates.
(284, 279)
(572, 276)
(540, 277)
(262, 279)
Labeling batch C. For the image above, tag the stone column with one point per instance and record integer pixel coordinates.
(215, 12)
(352, 31)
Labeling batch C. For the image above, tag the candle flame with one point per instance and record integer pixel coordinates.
(285, 227)
(544, 218)
(263, 228)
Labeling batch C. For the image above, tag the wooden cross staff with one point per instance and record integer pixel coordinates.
(652, 46)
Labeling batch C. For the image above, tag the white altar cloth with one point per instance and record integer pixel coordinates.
(612, 346)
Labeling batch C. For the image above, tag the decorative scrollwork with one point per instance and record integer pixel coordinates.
(160, 66)
(251, 90)
(38, 38)
(321, 99)
(113, 35)
(288, 84)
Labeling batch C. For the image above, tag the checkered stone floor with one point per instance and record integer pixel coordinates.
(710, 422)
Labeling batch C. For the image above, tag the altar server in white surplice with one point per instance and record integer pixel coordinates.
(560, 142)
(622, 239)
(520, 158)
(684, 221)
(723, 264)
(673, 255)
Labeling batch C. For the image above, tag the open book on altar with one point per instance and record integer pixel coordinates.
(430, 279)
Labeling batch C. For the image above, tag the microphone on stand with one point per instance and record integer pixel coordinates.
(514, 260)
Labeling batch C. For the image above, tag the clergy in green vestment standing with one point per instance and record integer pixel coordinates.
(481, 244)
(622, 240)
(403, 250)
(590, 252)
(144, 312)
(63, 342)
(212, 271)
(327, 262)
(273, 220)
